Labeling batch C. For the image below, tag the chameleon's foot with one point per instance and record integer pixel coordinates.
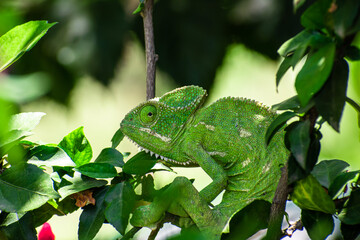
(146, 216)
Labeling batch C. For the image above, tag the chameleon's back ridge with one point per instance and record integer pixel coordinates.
(226, 139)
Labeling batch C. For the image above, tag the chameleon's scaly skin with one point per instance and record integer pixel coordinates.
(226, 139)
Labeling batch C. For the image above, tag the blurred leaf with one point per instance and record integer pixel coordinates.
(344, 16)
(315, 72)
(340, 182)
(25, 121)
(327, 170)
(21, 230)
(24, 88)
(139, 164)
(140, 7)
(350, 232)
(330, 100)
(92, 217)
(120, 201)
(275, 125)
(77, 147)
(309, 194)
(318, 225)
(255, 217)
(78, 184)
(25, 187)
(352, 53)
(117, 138)
(97, 170)
(110, 156)
(48, 155)
(350, 214)
(298, 136)
(297, 4)
(302, 39)
(317, 15)
(20, 39)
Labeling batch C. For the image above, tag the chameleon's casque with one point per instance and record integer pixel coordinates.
(226, 139)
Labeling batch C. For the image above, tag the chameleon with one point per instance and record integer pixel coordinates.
(226, 139)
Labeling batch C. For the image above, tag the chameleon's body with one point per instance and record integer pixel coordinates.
(226, 139)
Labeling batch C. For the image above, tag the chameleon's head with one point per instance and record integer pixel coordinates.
(156, 124)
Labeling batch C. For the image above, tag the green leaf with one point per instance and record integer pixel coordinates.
(318, 225)
(21, 230)
(295, 172)
(315, 72)
(20, 39)
(255, 217)
(93, 217)
(140, 7)
(139, 164)
(309, 194)
(77, 147)
(350, 214)
(25, 187)
(97, 170)
(299, 139)
(289, 104)
(78, 184)
(346, 12)
(352, 53)
(120, 201)
(49, 155)
(330, 100)
(110, 156)
(341, 181)
(317, 16)
(275, 125)
(117, 138)
(327, 170)
(350, 232)
(302, 39)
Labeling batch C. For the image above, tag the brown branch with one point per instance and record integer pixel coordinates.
(278, 206)
(288, 232)
(151, 57)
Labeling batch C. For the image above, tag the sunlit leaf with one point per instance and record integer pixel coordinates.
(77, 147)
(48, 155)
(25, 187)
(110, 156)
(117, 138)
(309, 194)
(314, 73)
(97, 170)
(20, 39)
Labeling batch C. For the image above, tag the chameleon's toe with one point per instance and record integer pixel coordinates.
(146, 216)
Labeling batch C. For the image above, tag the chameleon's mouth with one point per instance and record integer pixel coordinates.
(140, 148)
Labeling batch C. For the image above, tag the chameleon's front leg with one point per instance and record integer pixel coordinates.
(183, 194)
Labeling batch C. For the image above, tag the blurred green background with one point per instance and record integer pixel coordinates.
(91, 68)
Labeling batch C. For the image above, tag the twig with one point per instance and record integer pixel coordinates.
(130, 234)
(288, 232)
(151, 57)
(278, 206)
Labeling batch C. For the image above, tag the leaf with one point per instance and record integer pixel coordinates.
(300, 40)
(350, 232)
(249, 220)
(317, 15)
(25, 187)
(330, 100)
(295, 172)
(120, 201)
(288, 104)
(140, 7)
(79, 183)
(77, 147)
(20, 39)
(350, 214)
(117, 138)
(318, 225)
(315, 72)
(344, 16)
(297, 4)
(275, 125)
(93, 217)
(352, 53)
(139, 164)
(299, 139)
(48, 155)
(97, 170)
(110, 156)
(341, 181)
(327, 170)
(21, 230)
(309, 194)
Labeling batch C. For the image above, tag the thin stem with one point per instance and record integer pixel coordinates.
(151, 57)
(130, 234)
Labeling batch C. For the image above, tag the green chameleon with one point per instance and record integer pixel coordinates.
(226, 139)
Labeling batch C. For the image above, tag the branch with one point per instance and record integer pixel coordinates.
(278, 206)
(151, 57)
(288, 232)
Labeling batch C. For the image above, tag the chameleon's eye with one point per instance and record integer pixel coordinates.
(148, 114)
